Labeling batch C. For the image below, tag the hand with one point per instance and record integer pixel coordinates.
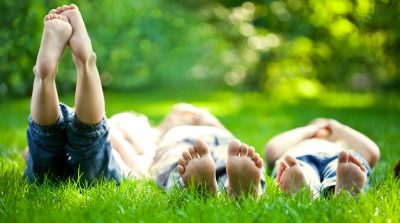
(335, 129)
(321, 128)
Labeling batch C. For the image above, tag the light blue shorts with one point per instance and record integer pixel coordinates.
(320, 169)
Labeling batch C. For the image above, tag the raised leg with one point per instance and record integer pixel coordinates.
(44, 103)
(89, 99)
(46, 156)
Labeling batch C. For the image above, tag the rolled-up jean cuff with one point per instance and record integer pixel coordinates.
(87, 130)
(48, 130)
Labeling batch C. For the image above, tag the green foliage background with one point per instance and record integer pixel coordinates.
(288, 46)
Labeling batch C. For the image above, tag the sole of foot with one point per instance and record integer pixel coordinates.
(350, 174)
(290, 176)
(79, 43)
(197, 168)
(244, 169)
(56, 33)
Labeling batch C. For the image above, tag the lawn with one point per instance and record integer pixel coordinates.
(253, 118)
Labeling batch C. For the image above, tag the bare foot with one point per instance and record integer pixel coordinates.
(350, 174)
(243, 169)
(80, 44)
(290, 176)
(197, 167)
(57, 31)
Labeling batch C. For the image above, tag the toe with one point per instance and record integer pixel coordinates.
(186, 156)
(64, 18)
(181, 169)
(73, 6)
(192, 152)
(259, 163)
(282, 168)
(343, 157)
(53, 11)
(290, 160)
(256, 157)
(243, 149)
(250, 152)
(201, 147)
(356, 161)
(182, 161)
(257, 160)
(234, 148)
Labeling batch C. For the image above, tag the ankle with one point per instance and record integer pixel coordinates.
(84, 63)
(44, 72)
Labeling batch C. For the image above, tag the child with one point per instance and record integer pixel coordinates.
(323, 156)
(64, 142)
(193, 148)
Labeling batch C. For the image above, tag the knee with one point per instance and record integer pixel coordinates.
(270, 154)
(374, 157)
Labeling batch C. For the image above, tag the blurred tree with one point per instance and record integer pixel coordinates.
(304, 45)
(285, 46)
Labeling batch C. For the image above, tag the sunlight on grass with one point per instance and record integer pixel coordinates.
(347, 100)
(252, 117)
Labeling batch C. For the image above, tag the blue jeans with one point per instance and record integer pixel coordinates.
(70, 149)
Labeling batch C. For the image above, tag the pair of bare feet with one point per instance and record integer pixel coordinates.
(197, 167)
(62, 26)
(350, 175)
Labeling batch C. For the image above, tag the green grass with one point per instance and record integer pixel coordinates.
(252, 117)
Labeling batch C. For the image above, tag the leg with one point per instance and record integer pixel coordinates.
(243, 169)
(88, 145)
(44, 104)
(89, 99)
(46, 155)
(46, 132)
(197, 167)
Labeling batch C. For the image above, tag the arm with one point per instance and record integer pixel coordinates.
(355, 141)
(279, 144)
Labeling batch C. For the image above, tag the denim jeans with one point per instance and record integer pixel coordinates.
(70, 149)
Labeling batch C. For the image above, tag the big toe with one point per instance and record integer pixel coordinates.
(257, 160)
(73, 6)
(290, 160)
(201, 147)
(234, 148)
(343, 157)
